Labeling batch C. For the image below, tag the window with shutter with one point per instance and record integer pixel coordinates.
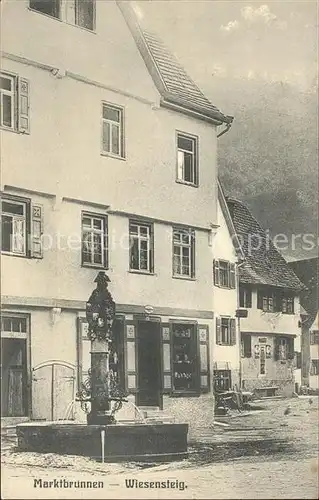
(203, 339)
(166, 358)
(233, 331)
(14, 103)
(15, 225)
(245, 296)
(37, 231)
(216, 272)
(232, 271)
(23, 105)
(218, 331)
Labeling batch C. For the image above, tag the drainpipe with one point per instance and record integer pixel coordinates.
(240, 263)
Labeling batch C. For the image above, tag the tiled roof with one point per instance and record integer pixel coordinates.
(263, 265)
(170, 78)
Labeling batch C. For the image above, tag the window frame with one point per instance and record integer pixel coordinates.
(150, 246)
(13, 93)
(76, 2)
(26, 203)
(104, 239)
(191, 245)
(245, 297)
(121, 126)
(194, 153)
(59, 4)
(195, 350)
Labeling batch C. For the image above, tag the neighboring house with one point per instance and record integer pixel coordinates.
(108, 163)
(226, 255)
(269, 291)
(307, 270)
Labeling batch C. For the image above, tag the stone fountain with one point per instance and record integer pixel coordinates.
(103, 438)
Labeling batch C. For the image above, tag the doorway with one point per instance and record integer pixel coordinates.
(14, 377)
(149, 364)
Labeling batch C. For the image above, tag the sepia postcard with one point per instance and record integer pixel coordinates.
(159, 249)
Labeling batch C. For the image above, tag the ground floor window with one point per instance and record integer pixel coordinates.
(222, 380)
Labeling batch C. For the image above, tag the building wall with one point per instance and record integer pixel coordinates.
(225, 302)
(281, 374)
(60, 160)
(268, 322)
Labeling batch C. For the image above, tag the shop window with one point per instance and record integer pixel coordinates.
(185, 368)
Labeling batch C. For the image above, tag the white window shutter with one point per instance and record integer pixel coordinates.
(23, 105)
(36, 231)
(216, 272)
(18, 236)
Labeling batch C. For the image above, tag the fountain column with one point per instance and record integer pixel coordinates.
(100, 313)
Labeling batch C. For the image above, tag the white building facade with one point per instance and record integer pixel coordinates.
(103, 164)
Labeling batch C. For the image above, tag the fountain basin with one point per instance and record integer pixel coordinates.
(123, 442)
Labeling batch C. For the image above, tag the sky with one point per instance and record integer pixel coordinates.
(275, 41)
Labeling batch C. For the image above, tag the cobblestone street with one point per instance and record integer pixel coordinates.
(261, 468)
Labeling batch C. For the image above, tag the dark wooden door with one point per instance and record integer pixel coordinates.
(149, 389)
(14, 377)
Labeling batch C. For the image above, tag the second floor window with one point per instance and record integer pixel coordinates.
(141, 247)
(225, 331)
(271, 300)
(94, 240)
(224, 274)
(187, 167)
(14, 227)
(14, 103)
(184, 253)
(21, 227)
(245, 296)
(112, 130)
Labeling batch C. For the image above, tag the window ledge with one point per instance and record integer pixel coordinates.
(82, 28)
(144, 273)
(186, 278)
(95, 266)
(115, 157)
(8, 129)
(44, 14)
(185, 183)
(12, 254)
